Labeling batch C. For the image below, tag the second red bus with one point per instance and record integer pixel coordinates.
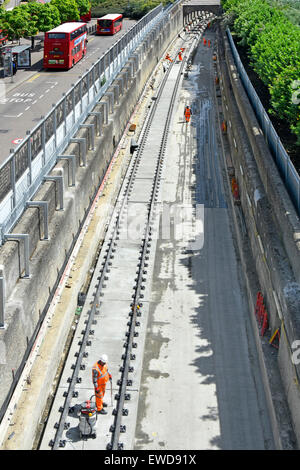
(109, 24)
(65, 45)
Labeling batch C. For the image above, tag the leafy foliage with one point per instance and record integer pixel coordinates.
(273, 44)
(44, 16)
(68, 10)
(17, 23)
(83, 6)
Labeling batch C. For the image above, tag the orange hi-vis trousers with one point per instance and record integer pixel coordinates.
(100, 377)
(100, 396)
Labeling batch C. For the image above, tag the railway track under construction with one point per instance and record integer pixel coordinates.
(113, 319)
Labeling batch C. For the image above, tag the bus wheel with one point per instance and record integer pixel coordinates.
(73, 63)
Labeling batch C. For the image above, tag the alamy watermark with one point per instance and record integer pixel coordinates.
(170, 222)
(296, 352)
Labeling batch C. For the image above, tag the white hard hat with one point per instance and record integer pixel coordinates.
(104, 358)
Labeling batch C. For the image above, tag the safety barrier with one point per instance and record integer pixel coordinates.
(281, 158)
(25, 169)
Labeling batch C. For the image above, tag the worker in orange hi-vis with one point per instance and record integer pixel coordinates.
(168, 58)
(204, 41)
(180, 55)
(100, 376)
(187, 113)
(224, 127)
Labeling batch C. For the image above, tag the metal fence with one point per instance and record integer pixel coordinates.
(281, 158)
(25, 168)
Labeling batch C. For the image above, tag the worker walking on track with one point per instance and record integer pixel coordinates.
(187, 113)
(100, 378)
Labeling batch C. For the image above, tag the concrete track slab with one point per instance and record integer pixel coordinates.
(142, 189)
(201, 385)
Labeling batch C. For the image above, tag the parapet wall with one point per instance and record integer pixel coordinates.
(27, 299)
(272, 229)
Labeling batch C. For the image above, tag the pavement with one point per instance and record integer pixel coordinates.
(22, 74)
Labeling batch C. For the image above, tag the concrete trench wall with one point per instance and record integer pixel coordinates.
(271, 226)
(26, 299)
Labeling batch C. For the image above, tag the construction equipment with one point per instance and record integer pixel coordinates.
(88, 419)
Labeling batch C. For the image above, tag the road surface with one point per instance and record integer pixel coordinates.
(22, 106)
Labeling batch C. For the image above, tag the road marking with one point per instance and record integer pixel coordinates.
(8, 116)
(26, 109)
(34, 77)
(41, 96)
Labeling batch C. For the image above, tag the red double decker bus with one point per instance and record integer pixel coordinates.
(65, 45)
(109, 24)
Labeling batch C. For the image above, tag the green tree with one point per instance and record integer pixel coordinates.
(45, 16)
(17, 23)
(2, 17)
(253, 16)
(68, 10)
(84, 6)
(277, 47)
(42, 16)
(274, 49)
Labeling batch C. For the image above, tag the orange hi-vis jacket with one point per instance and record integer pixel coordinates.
(100, 374)
(187, 113)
